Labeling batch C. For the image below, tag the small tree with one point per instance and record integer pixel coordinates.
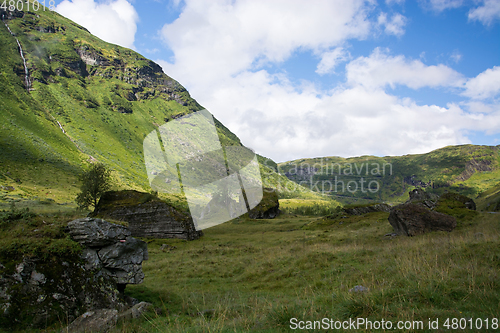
(95, 181)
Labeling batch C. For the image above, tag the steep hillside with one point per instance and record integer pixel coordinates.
(467, 169)
(69, 98)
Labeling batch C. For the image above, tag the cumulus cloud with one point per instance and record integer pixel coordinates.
(330, 59)
(380, 70)
(235, 36)
(485, 85)
(222, 50)
(113, 21)
(487, 13)
(393, 26)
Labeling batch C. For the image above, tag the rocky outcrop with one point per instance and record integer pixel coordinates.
(91, 56)
(424, 212)
(41, 290)
(456, 198)
(473, 166)
(425, 199)
(413, 181)
(367, 209)
(146, 215)
(268, 208)
(110, 250)
(412, 219)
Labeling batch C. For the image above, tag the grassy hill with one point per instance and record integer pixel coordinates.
(84, 100)
(468, 169)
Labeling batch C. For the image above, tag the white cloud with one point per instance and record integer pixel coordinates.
(234, 36)
(485, 85)
(330, 59)
(222, 50)
(487, 13)
(380, 69)
(394, 26)
(456, 56)
(113, 21)
(440, 5)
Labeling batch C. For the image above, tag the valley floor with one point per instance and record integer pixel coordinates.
(256, 275)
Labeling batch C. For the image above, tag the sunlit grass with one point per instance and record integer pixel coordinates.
(251, 275)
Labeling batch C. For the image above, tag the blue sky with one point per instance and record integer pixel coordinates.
(300, 79)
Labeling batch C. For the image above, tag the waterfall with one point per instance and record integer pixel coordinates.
(60, 126)
(26, 73)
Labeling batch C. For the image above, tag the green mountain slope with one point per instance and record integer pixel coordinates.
(82, 100)
(467, 169)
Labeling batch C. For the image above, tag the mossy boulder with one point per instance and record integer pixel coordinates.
(412, 219)
(457, 205)
(455, 200)
(146, 215)
(268, 208)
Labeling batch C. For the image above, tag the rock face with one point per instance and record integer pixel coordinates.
(147, 216)
(110, 250)
(419, 197)
(367, 209)
(41, 290)
(412, 219)
(268, 208)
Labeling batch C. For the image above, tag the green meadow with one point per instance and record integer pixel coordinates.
(255, 275)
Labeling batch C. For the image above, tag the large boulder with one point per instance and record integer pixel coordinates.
(268, 208)
(146, 215)
(412, 219)
(110, 250)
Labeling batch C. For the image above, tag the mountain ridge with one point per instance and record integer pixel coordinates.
(81, 100)
(467, 169)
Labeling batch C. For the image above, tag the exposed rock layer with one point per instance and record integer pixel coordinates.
(147, 216)
(110, 249)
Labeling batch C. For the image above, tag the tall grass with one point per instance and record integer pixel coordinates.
(309, 207)
(249, 275)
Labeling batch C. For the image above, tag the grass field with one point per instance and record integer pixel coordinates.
(255, 275)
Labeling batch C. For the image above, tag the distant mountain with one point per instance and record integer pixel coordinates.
(68, 98)
(468, 169)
